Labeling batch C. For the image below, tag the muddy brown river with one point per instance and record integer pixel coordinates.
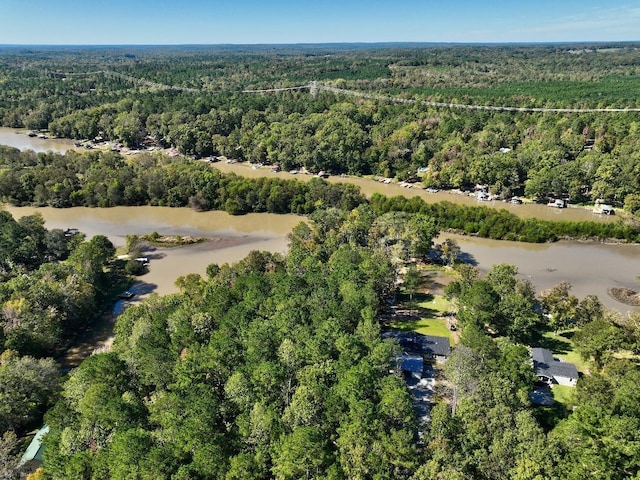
(237, 235)
(591, 268)
(19, 139)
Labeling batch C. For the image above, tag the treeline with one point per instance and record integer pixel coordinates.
(503, 225)
(582, 156)
(52, 284)
(103, 179)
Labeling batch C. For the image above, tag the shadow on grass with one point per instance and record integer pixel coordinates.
(568, 334)
(405, 325)
(557, 345)
(416, 306)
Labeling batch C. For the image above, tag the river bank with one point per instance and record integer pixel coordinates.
(368, 186)
(592, 268)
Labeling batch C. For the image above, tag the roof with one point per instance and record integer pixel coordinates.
(436, 345)
(545, 364)
(410, 363)
(421, 344)
(34, 450)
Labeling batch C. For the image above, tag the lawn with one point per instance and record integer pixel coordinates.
(563, 394)
(562, 348)
(430, 312)
(436, 303)
(427, 326)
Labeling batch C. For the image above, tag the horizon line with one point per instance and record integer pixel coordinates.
(319, 44)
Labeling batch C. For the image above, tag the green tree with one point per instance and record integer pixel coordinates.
(27, 387)
(412, 279)
(301, 454)
(559, 304)
(9, 460)
(598, 340)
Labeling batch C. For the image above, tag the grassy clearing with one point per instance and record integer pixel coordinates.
(427, 308)
(563, 394)
(427, 326)
(437, 305)
(562, 347)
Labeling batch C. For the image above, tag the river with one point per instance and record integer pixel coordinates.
(18, 138)
(590, 267)
(236, 236)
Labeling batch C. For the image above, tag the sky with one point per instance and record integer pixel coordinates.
(118, 22)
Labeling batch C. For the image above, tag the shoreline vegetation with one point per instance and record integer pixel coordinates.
(103, 179)
(625, 295)
(171, 241)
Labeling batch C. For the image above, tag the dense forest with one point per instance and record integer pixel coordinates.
(275, 368)
(194, 98)
(53, 285)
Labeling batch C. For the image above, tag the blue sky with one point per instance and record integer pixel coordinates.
(321, 21)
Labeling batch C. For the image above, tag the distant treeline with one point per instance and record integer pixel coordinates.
(104, 179)
(124, 95)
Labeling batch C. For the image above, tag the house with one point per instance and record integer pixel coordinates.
(410, 364)
(551, 370)
(428, 347)
(437, 348)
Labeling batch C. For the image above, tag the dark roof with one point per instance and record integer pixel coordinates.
(545, 364)
(418, 343)
(410, 363)
(436, 345)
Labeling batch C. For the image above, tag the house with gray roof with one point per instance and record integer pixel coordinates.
(428, 346)
(551, 370)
